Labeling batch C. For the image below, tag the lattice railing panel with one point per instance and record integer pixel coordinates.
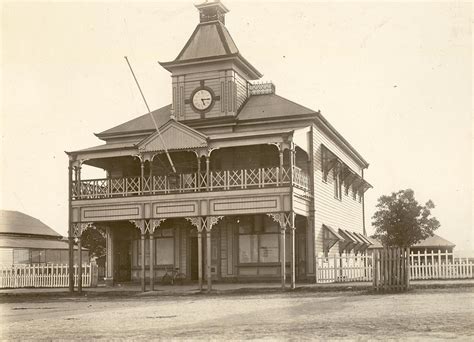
(252, 177)
(159, 184)
(218, 180)
(191, 182)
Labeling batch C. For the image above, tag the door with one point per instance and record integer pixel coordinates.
(300, 255)
(194, 257)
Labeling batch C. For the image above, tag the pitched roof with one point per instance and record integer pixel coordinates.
(15, 222)
(173, 136)
(209, 39)
(434, 241)
(142, 123)
(33, 243)
(271, 106)
(429, 242)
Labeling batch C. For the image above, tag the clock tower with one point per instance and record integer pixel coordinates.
(210, 78)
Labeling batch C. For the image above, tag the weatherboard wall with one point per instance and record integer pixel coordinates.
(344, 213)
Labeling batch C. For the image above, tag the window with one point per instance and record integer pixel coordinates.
(258, 240)
(337, 184)
(37, 256)
(164, 249)
(21, 256)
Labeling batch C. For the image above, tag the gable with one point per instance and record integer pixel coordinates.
(175, 136)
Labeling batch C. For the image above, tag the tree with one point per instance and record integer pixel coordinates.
(401, 222)
(94, 240)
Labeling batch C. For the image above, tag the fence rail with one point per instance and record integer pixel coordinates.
(190, 182)
(16, 276)
(439, 265)
(344, 268)
(422, 266)
(391, 269)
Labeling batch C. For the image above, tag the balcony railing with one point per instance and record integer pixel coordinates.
(189, 182)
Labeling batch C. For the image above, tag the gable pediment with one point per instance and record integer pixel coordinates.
(174, 136)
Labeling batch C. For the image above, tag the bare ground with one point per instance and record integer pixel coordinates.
(417, 315)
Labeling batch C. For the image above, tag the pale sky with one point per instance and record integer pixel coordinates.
(393, 78)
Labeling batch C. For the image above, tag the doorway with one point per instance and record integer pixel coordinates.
(194, 258)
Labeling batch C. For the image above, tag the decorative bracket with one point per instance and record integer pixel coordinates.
(196, 222)
(204, 222)
(211, 221)
(141, 225)
(285, 220)
(153, 224)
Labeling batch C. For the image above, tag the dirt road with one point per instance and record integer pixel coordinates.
(427, 314)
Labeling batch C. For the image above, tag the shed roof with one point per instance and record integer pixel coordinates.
(15, 222)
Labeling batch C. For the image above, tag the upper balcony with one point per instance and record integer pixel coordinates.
(193, 163)
(216, 180)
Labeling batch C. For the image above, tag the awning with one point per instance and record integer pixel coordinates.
(330, 237)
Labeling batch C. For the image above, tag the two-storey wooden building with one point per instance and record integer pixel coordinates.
(261, 185)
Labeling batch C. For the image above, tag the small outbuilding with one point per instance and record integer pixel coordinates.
(27, 240)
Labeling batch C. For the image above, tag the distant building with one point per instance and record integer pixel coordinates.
(27, 240)
(433, 243)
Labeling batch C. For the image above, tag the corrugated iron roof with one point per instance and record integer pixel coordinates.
(15, 222)
(9, 242)
(142, 123)
(434, 241)
(430, 242)
(208, 39)
(271, 106)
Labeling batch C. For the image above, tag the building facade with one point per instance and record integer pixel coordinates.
(229, 182)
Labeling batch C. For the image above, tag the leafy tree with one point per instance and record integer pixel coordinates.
(401, 222)
(94, 240)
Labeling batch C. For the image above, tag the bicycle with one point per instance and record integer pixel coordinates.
(170, 278)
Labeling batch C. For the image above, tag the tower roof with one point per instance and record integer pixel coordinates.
(211, 41)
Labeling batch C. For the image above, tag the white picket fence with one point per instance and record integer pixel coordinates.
(439, 265)
(16, 276)
(344, 268)
(423, 266)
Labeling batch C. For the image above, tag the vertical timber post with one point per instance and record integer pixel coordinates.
(70, 232)
(152, 261)
(142, 175)
(200, 258)
(208, 172)
(283, 255)
(79, 275)
(293, 251)
(292, 214)
(143, 259)
(208, 257)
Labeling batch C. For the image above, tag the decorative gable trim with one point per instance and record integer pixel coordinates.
(176, 136)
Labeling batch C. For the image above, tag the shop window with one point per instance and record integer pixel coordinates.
(164, 249)
(258, 240)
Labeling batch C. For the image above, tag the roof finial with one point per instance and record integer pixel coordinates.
(212, 11)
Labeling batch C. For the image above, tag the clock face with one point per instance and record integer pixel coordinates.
(202, 99)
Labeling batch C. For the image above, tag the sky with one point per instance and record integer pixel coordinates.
(393, 78)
